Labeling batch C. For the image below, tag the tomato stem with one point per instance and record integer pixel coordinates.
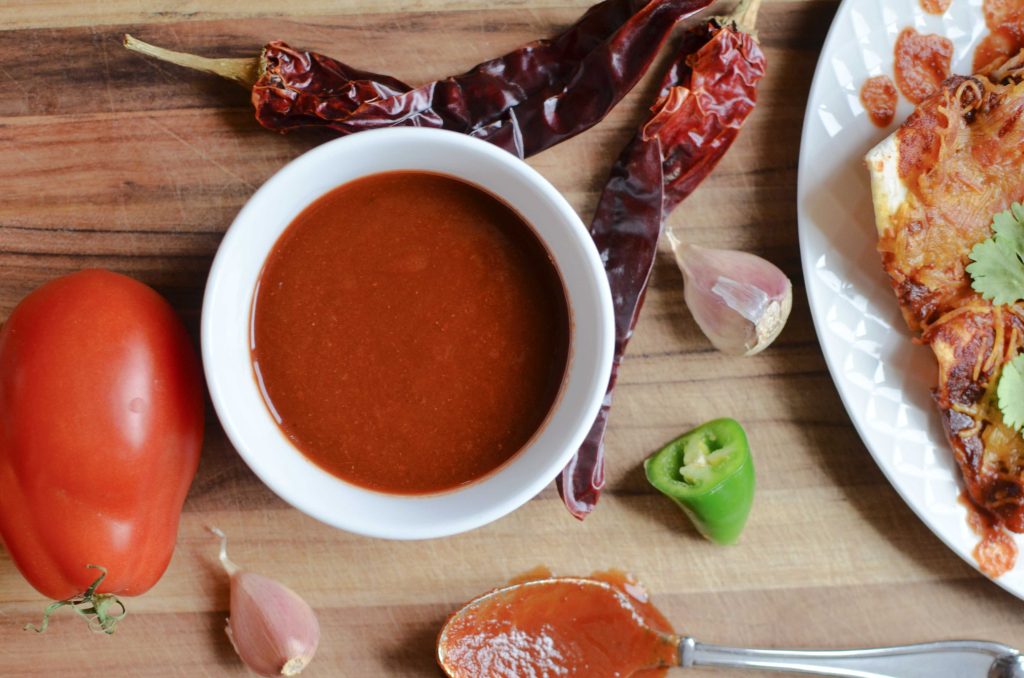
(743, 17)
(95, 607)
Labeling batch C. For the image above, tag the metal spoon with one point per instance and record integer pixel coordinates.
(959, 658)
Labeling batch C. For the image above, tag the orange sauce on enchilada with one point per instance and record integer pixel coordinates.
(1005, 22)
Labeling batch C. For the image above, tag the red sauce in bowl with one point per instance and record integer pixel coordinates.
(410, 332)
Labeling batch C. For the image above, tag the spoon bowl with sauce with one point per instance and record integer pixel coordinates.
(574, 626)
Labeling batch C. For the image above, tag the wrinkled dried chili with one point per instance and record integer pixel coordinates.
(535, 97)
(525, 101)
(707, 93)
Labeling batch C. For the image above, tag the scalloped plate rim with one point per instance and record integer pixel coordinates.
(956, 537)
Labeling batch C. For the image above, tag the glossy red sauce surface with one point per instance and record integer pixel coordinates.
(1005, 21)
(410, 332)
(922, 62)
(879, 96)
(560, 627)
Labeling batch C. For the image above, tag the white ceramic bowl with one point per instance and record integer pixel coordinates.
(226, 334)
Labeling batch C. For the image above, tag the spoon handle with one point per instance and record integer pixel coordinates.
(960, 658)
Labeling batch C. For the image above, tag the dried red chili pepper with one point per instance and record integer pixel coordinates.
(706, 95)
(535, 97)
(525, 101)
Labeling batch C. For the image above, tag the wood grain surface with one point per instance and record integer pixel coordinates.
(113, 160)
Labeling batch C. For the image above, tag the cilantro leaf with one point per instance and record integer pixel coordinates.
(1009, 226)
(1010, 391)
(997, 271)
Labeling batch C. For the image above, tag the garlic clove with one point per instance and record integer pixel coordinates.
(273, 630)
(740, 301)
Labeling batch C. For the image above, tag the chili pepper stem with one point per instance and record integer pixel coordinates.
(243, 71)
(91, 605)
(229, 565)
(744, 16)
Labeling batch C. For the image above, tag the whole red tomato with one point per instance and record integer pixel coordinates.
(101, 423)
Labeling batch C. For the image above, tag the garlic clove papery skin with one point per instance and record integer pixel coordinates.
(740, 301)
(274, 631)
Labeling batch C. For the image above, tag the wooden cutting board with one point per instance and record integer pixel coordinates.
(113, 160)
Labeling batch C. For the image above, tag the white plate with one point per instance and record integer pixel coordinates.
(885, 381)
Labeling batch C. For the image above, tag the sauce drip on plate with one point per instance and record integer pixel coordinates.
(879, 97)
(935, 6)
(410, 332)
(996, 553)
(922, 62)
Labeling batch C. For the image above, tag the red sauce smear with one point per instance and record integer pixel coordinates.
(996, 553)
(922, 63)
(1005, 21)
(935, 6)
(559, 627)
(879, 97)
(410, 332)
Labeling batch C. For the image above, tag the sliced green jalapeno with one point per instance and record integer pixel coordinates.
(709, 473)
